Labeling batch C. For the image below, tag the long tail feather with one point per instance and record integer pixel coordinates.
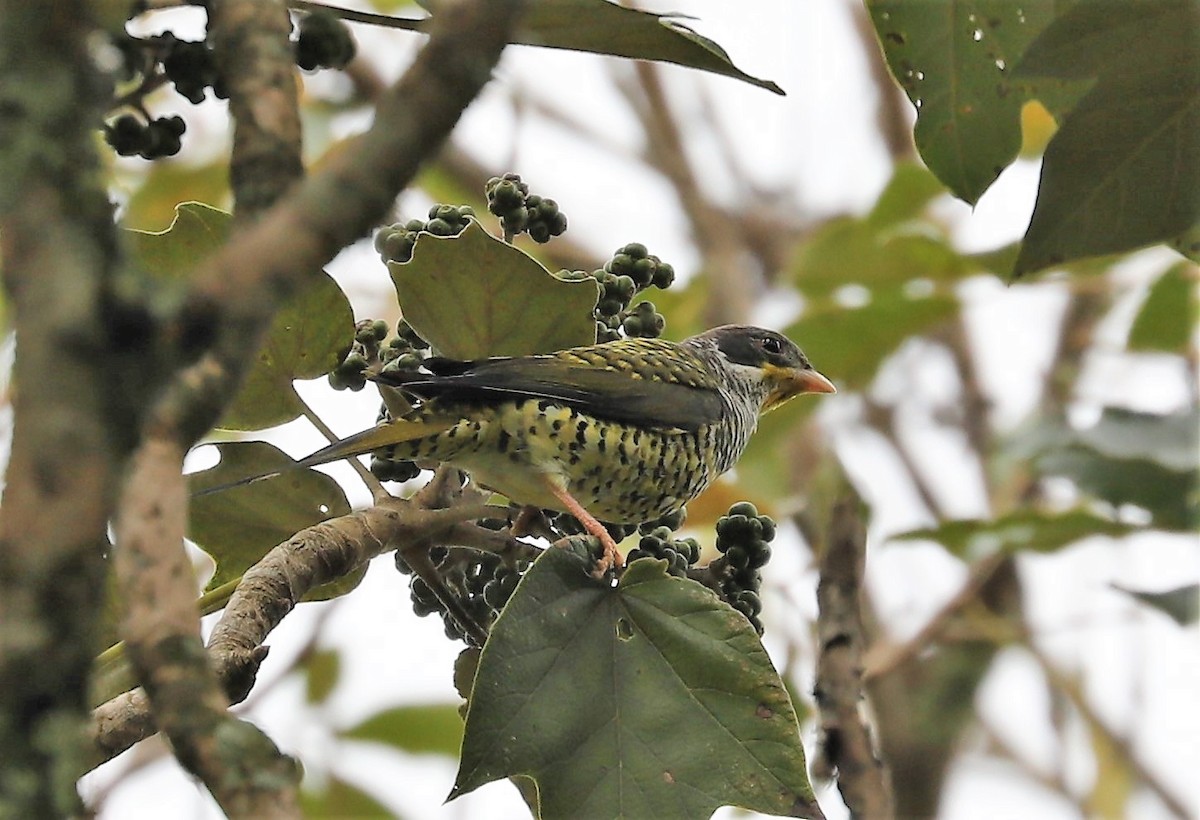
(376, 438)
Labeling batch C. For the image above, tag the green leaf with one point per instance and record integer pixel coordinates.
(955, 59)
(1168, 316)
(1171, 440)
(309, 337)
(1026, 530)
(473, 296)
(651, 699)
(1124, 167)
(1171, 497)
(429, 728)
(849, 344)
(905, 197)
(340, 800)
(1181, 604)
(322, 670)
(1188, 243)
(1148, 460)
(196, 231)
(156, 200)
(237, 527)
(600, 27)
(892, 246)
(605, 28)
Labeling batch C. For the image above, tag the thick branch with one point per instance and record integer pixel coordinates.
(161, 621)
(272, 588)
(58, 247)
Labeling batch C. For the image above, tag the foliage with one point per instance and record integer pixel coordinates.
(675, 671)
(655, 696)
(1123, 81)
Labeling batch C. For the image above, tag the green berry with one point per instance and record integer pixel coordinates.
(743, 508)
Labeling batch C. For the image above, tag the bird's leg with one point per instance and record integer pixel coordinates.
(611, 557)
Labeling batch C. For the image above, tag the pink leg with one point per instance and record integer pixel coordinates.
(612, 557)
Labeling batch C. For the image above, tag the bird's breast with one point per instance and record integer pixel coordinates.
(619, 471)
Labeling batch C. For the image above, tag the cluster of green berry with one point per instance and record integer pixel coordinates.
(405, 351)
(190, 67)
(395, 243)
(743, 539)
(479, 583)
(129, 136)
(187, 64)
(323, 41)
(520, 211)
(656, 542)
(351, 373)
(631, 270)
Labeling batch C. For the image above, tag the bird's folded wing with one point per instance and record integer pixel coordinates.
(620, 394)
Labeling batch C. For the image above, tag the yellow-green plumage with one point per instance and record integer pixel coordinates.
(631, 430)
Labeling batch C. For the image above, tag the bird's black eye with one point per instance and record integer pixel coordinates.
(771, 345)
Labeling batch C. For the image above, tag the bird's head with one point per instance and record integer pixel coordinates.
(769, 358)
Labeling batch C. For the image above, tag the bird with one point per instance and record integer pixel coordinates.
(624, 431)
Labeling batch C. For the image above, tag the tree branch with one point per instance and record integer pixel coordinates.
(161, 623)
(846, 744)
(71, 411)
(272, 588)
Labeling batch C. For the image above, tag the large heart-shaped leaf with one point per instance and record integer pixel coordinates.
(473, 296)
(651, 699)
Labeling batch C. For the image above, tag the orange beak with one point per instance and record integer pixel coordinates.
(791, 382)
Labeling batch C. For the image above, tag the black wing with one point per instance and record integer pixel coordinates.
(607, 392)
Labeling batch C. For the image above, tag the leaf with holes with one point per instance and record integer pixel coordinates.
(472, 296)
(650, 699)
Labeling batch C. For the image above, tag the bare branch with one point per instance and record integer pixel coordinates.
(275, 585)
(846, 744)
(161, 621)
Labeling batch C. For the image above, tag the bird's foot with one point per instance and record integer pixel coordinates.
(610, 558)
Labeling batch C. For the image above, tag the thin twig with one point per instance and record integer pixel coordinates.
(882, 660)
(373, 484)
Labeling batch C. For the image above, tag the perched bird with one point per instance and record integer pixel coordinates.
(621, 432)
